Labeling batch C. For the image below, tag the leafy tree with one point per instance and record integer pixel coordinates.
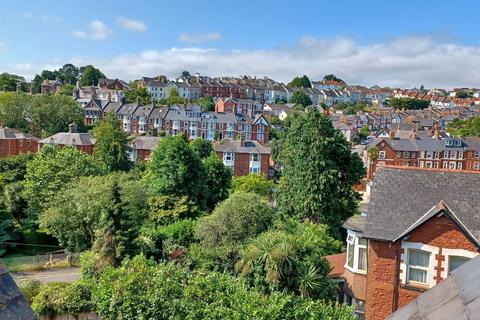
(202, 147)
(14, 168)
(408, 104)
(218, 180)
(332, 77)
(111, 147)
(13, 108)
(14, 200)
(291, 260)
(465, 128)
(49, 172)
(138, 93)
(90, 76)
(373, 153)
(319, 170)
(300, 82)
(254, 183)
(5, 235)
(301, 98)
(168, 209)
(66, 90)
(174, 98)
(185, 74)
(352, 109)
(175, 169)
(69, 73)
(364, 132)
(240, 217)
(206, 103)
(8, 82)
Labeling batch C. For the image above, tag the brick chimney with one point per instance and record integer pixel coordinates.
(93, 92)
(72, 128)
(392, 134)
(436, 134)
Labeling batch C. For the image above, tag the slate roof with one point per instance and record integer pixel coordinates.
(144, 143)
(400, 197)
(13, 305)
(457, 297)
(71, 139)
(8, 133)
(236, 147)
(355, 223)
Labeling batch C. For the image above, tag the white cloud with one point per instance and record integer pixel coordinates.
(97, 31)
(132, 25)
(200, 37)
(403, 62)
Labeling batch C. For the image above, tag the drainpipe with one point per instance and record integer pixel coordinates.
(395, 281)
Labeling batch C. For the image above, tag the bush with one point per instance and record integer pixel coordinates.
(30, 289)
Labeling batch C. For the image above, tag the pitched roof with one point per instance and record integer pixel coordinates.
(70, 138)
(13, 304)
(248, 147)
(457, 297)
(9, 133)
(401, 197)
(144, 143)
(337, 263)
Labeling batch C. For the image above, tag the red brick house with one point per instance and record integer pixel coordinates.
(51, 86)
(419, 225)
(238, 106)
(82, 141)
(142, 147)
(13, 142)
(244, 157)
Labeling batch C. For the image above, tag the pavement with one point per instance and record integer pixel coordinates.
(50, 275)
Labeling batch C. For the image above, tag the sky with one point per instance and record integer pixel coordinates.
(371, 42)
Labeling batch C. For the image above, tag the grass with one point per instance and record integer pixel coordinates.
(32, 267)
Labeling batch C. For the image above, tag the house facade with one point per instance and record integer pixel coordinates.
(244, 157)
(84, 142)
(13, 142)
(51, 86)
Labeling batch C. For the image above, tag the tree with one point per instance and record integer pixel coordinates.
(364, 132)
(206, 103)
(13, 108)
(138, 93)
(169, 209)
(332, 77)
(66, 90)
(69, 73)
(8, 82)
(174, 97)
(301, 98)
(185, 74)
(254, 183)
(111, 147)
(218, 180)
(319, 170)
(50, 170)
(407, 103)
(175, 169)
(14, 168)
(465, 128)
(90, 76)
(202, 147)
(292, 260)
(300, 82)
(240, 217)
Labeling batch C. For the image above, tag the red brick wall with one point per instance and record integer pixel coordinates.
(12, 147)
(241, 165)
(385, 296)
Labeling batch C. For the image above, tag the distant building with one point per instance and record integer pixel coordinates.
(328, 85)
(13, 142)
(142, 147)
(244, 157)
(82, 141)
(51, 86)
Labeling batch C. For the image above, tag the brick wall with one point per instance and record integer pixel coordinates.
(12, 147)
(385, 293)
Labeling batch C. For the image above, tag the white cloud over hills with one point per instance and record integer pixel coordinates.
(402, 62)
(97, 30)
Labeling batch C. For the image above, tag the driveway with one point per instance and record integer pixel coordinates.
(51, 275)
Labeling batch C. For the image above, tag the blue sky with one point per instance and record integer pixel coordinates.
(129, 39)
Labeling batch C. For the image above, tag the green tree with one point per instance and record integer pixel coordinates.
(13, 108)
(300, 82)
(14, 168)
(66, 90)
(301, 98)
(174, 97)
(235, 220)
(218, 180)
(254, 183)
(332, 77)
(8, 82)
(206, 103)
(138, 93)
(111, 147)
(202, 147)
(49, 172)
(319, 170)
(465, 128)
(69, 73)
(168, 209)
(175, 169)
(364, 132)
(408, 104)
(90, 76)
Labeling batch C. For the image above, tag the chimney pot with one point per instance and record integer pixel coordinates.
(72, 128)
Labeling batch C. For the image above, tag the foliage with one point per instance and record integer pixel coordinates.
(8, 82)
(291, 259)
(111, 147)
(221, 258)
(364, 132)
(300, 82)
(202, 147)
(63, 299)
(319, 170)
(175, 169)
(206, 103)
(14, 168)
(5, 235)
(168, 209)
(90, 76)
(30, 289)
(218, 180)
(240, 217)
(50, 170)
(408, 104)
(14, 201)
(352, 109)
(373, 153)
(254, 183)
(465, 128)
(301, 98)
(138, 93)
(332, 77)
(66, 90)
(174, 98)
(142, 289)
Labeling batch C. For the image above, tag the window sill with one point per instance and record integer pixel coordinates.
(364, 272)
(415, 287)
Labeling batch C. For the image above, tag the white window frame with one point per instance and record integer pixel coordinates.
(447, 252)
(353, 238)
(476, 166)
(381, 154)
(404, 263)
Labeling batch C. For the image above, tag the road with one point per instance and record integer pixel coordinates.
(51, 275)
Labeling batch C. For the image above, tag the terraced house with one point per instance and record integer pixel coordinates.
(419, 226)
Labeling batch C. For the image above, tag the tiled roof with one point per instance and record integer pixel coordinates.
(248, 147)
(337, 263)
(8, 133)
(457, 297)
(70, 138)
(144, 143)
(400, 197)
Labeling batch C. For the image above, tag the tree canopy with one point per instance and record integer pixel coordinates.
(319, 170)
(90, 75)
(300, 82)
(138, 93)
(465, 128)
(301, 98)
(253, 183)
(332, 77)
(408, 104)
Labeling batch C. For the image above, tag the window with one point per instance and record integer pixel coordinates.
(445, 164)
(356, 253)
(255, 157)
(381, 154)
(477, 154)
(476, 166)
(459, 166)
(452, 165)
(350, 250)
(418, 266)
(446, 154)
(399, 154)
(362, 254)
(228, 156)
(455, 262)
(414, 155)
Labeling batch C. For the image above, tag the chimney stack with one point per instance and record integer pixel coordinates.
(392, 134)
(72, 128)
(436, 134)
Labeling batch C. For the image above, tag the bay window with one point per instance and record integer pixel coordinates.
(418, 266)
(356, 253)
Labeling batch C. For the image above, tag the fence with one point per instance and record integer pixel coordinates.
(38, 262)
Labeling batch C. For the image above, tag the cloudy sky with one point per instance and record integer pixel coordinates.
(395, 43)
